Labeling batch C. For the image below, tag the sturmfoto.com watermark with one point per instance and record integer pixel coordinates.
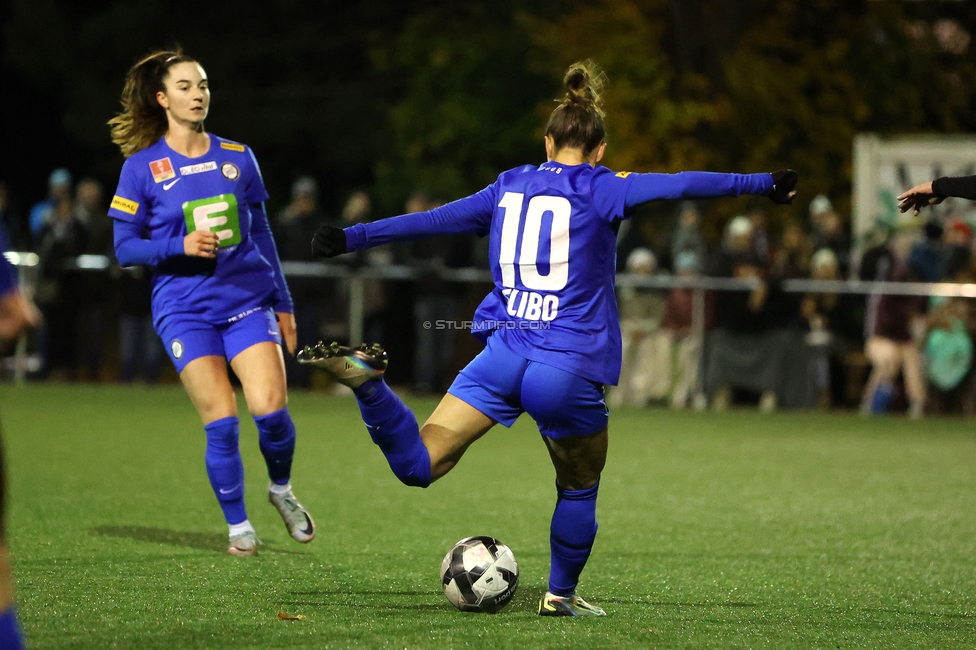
(487, 325)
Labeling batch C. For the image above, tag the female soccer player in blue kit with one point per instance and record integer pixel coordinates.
(191, 205)
(550, 324)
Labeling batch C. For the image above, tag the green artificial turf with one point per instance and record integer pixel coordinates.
(716, 531)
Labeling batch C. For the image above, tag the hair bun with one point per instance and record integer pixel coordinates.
(583, 82)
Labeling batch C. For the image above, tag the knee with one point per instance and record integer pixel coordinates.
(577, 480)
(223, 435)
(276, 426)
(268, 399)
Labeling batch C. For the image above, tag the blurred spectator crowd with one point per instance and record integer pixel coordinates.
(681, 346)
(778, 349)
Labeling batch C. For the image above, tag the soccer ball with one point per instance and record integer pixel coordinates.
(479, 574)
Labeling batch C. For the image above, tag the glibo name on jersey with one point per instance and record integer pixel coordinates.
(531, 305)
(527, 303)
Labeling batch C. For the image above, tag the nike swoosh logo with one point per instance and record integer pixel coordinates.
(308, 526)
(170, 184)
(223, 491)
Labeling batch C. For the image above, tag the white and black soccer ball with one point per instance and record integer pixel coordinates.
(479, 574)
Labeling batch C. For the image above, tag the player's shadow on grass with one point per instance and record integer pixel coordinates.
(202, 541)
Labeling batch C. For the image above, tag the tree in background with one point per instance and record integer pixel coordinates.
(764, 84)
(441, 96)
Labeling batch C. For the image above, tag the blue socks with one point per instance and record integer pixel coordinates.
(276, 437)
(225, 469)
(394, 429)
(571, 537)
(882, 398)
(11, 637)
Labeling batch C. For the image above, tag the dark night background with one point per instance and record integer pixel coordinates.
(395, 96)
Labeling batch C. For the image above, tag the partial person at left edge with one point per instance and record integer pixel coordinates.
(17, 313)
(190, 205)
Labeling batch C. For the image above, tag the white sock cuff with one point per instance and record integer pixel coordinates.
(239, 529)
(280, 489)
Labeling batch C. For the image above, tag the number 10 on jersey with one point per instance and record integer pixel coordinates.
(529, 304)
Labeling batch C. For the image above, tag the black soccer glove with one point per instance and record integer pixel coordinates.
(784, 181)
(329, 241)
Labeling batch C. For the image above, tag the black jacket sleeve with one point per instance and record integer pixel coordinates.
(963, 187)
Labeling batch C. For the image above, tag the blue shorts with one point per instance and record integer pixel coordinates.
(503, 385)
(186, 340)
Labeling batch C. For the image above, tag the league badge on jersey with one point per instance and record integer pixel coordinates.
(177, 348)
(230, 171)
(162, 170)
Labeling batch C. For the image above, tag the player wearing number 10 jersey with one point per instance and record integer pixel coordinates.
(550, 324)
(191, 205)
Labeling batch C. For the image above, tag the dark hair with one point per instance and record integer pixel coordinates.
(578, 120)
(142, 120)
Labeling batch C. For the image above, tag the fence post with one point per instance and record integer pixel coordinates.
(698, 332)
(357, 290)
(20, 352)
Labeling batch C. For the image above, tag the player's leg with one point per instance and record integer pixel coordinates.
(206, 382)
(253, 346)
(885, 362)
(392, 426)
(10, 634)
(449, 431)
(914, 374)
(197, 352)
(572, 418)
(418, 457)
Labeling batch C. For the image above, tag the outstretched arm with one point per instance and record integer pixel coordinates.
(470, 214)
(700, 185)
(934, 192)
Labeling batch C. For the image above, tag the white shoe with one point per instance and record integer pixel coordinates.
(244, 545)
(297, 520)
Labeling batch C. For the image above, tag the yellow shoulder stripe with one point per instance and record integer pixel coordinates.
(124, 205)
(623, 174)
(232, 146)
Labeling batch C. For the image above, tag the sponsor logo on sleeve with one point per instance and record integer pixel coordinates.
(230, 171)
(231, 146)
(177, 348)
(124, 205)
(623, 174)
(162, 170)
(199, 168)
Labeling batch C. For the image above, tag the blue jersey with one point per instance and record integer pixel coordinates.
(8, 272)
(168, 195)
(552, 252)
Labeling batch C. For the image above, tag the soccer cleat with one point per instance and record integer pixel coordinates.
(244, 545)
(350, 366)
(553, 605)
(297, 520)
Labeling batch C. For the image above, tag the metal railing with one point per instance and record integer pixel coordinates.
(356, 276)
